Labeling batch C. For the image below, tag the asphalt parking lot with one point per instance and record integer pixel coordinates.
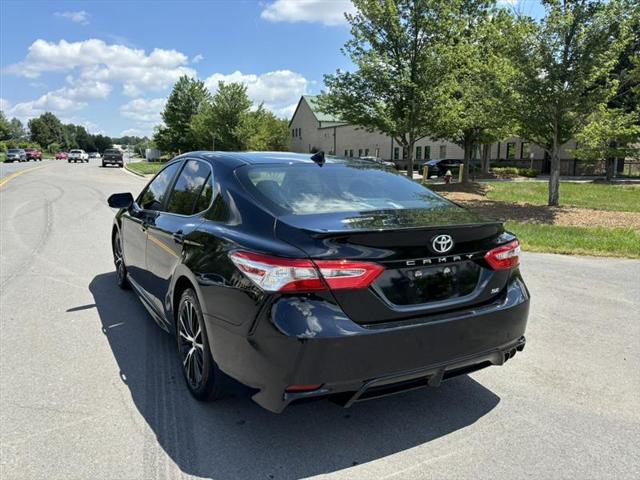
(90, 388)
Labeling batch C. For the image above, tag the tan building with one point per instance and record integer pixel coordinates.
(312, 130)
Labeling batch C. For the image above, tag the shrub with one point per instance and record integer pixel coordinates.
(514, 172)
(54, 148)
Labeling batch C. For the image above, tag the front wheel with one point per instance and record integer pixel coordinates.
(204, 379)
(118, 260)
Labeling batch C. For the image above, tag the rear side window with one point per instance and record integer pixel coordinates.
(308, 189)
(154, 195)
(192, 191)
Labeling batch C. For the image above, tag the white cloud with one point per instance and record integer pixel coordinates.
(134, 68)
(133, 132)
(328, 12)
(4, 104)
(279, 90)
(198, 58)
(65, 99)
(81, 16)
(144, 111)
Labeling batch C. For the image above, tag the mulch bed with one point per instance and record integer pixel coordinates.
(540, 214)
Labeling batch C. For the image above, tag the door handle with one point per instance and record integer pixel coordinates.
(178, 237)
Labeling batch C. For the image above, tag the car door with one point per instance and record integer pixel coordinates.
(169, 230)
(136, 220)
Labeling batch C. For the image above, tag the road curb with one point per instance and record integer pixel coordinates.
(132, 173)
(8, 178)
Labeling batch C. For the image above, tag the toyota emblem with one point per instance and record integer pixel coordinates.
(442, 243)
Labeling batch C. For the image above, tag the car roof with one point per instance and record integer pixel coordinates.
(234, 159)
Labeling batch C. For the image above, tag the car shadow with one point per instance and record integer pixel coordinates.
(235, 438)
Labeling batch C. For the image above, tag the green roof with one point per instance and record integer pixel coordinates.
(312, 101)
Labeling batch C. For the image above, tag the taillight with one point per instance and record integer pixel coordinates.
(504, 257)
(276, 274)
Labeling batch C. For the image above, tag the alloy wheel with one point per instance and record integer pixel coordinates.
(190, 344)
(118, 259)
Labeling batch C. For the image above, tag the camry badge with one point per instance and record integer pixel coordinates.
(442, 243)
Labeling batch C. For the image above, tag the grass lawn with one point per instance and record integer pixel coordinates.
(145, 168)
(598, 241)
(620, 198)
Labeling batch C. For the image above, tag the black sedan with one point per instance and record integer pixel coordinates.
(439, 167)
(304, 277)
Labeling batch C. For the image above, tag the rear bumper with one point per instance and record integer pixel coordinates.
(307, 341)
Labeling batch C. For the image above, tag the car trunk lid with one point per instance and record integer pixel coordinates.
(419, 276)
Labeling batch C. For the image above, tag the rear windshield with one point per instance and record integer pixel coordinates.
(14, 150)
(111, 150)
(307, 189)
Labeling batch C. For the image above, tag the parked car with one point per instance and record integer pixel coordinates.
(33, 154)
(380, 161)
(112, 156)
(78, 155)
(439, 167)
(62, 156)
(348, 281)
(16, 154)
(94, 155)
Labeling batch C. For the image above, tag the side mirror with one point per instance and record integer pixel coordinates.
(120, 200)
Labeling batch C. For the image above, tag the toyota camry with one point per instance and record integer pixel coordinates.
(304, 277)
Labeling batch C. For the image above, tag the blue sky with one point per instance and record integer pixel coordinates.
(109, 65)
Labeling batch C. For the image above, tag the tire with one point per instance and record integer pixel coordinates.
(118, 260)
(194, 351)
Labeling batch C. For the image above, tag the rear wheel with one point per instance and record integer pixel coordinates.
(118, 260)
(204, 379)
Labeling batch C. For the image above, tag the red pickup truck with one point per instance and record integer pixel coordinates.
(33, 154)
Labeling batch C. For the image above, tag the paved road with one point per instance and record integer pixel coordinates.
(7, 169)
(90, 388)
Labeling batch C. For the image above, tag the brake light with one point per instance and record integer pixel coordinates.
(275, 274)
(504, 257)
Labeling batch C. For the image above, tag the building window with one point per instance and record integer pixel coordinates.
(396, 153)
(418, 153)
(293, 132)
(359, 152)
(366, 152)
(377, 153)
(443, 151)
(511, 151)
(346, 153)
(351, 153)
(300, 132)
(524, 150)
(427, 152)
(404, 153)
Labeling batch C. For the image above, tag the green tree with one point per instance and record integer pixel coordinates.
(46, 129)
(222, 119)
(5, 127)
(566, 72)
(102, 142)
(16, 129)
(610, 134)
(482, 69)
(262, 130)
(400, 86)
(187, 98)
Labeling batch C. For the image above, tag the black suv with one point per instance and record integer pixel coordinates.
(304, 277)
